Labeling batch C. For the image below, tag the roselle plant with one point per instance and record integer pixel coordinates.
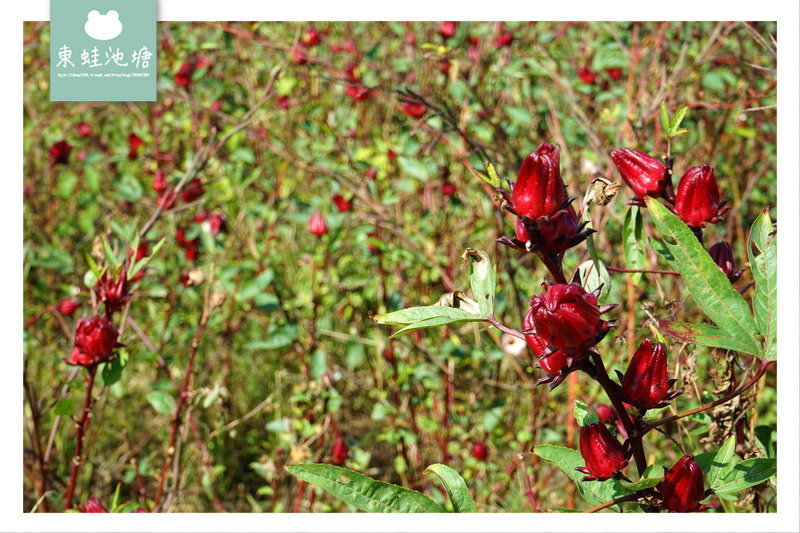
(567, 321)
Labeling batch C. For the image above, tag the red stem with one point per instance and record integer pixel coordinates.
(83, 425)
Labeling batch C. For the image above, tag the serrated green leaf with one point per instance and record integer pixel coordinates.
(456, 488)
(723, 462)
(567, 460)
(703, 335)
(704, 280)
(482, 279)
(652, 475)
(746, 474)
(764, 265)
(677, 118)
(162, 401)
(362, 492)
(634, 243)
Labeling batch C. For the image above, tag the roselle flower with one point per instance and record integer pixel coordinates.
(340, 451)
(67, 307)
(479, 450)
(92, 505)
(722, 255)
(602, 452)
(341, 204)
(192, 190)
(317, 225)
(682, 487)
(84, 130)
(59, 153)
(414, 109)
(586, 75)
(114, 292)
(614, 73)
(159, 181)
(357, 92)
(645, 384)
(539, 190)
(447, 29)
(697, 201)
(183, 78)
(95, 341)
(566, 316)
(645, 174)
(310, 37)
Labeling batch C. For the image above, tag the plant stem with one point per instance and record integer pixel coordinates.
(513, 332)
(83, 425)
(762, 368)
(553, 265)
(634, 438)
(615, 501)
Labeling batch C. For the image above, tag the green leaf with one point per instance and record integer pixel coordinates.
(141, 263)
(746, 474)
(482, 279)
(764, 264)
(594, 275)
(162, 401)
(518, 115)
(494, 180)
(567, 460)
(414, 318)
(649, 479)
(723, 462)
(583, 415)
(362, 492)
(634, 243)
(665, 119)
(765, 438)
(677, 118)
(64, 407)
(455, 486)
(704, 280)
(319, 364)
(703, 335)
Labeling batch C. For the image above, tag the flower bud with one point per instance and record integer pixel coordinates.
(95, 340)
(317, 225)
(539, 190)
(113, 292)
(697, 201)
(340, 451)
(682, 487)
(67, 307)
(603, 453)
(722, 255)
(59, 153)
(447, 29)
(645, 384)
(92, 505)
(566, 316)
(479, 450)
(645, 174)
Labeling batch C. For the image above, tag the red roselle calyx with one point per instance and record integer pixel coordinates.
(67, 307)
(447, 29)
(59, 153)
(539, 190)
(317, 225)
(566, 316)
(479, 451)
(550, 361)
(340, 451)
(414, 109)
(113, 292)
(92, 505)
(645, 384)
(95, 341)
(645, 174)
(697, 201)
(682, 487)
(341, 203)
(602, 452)
(722, 255)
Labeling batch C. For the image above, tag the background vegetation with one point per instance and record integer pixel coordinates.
(289, 357)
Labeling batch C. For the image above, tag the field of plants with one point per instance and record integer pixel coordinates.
(459, 260)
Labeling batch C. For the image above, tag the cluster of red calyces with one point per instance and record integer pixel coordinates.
(697, 201)
(562, 326)
(546, 221)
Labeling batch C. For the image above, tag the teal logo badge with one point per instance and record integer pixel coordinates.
(103, 51)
